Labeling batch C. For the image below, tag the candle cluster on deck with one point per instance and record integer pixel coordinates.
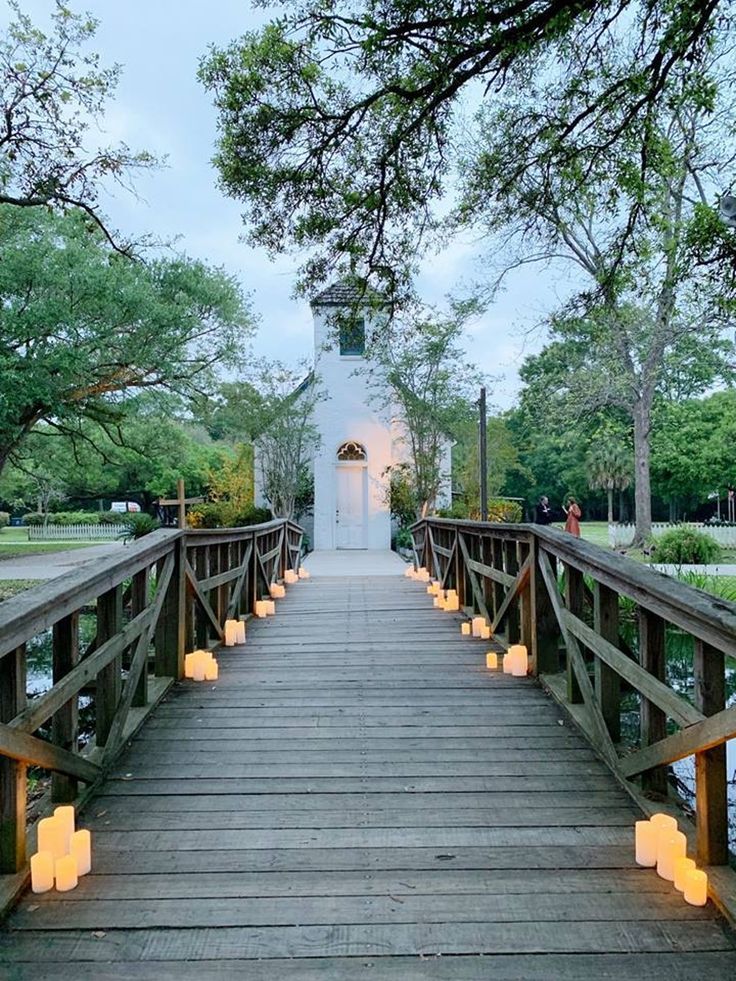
(265, 608)
(660, 844)
(234, 632)
(516, 661)
(201, 665)
(421, 574)
(446, 599)
(277, 591)
(64, 854)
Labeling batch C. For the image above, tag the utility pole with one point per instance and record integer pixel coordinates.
(483, 457)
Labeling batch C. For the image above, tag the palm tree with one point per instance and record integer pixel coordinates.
(609, 469)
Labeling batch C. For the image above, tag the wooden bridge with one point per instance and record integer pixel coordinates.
(356, 796)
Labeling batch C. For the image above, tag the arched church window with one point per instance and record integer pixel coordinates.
(351, 451)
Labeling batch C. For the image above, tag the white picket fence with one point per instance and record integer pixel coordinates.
(621, 536)
(76, 533)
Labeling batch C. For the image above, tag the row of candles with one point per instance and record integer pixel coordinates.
(64, 854)
(516, 658)
(659, 843)
(201, 666)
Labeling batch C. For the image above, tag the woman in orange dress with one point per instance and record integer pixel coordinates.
(574, 514)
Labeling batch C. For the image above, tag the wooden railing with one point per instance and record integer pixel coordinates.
(165, 594)
(560, 596)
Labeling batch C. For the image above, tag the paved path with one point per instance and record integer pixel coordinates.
(49, 565)
(724, 569)
(355, 562)
(358, 798)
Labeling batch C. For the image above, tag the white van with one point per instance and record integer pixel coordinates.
(123, 506)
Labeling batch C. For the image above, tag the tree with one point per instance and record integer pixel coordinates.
(609, 469)
(501, 453)
(419, 374)
(646, 306)
(83, 326)
(272, 409)
(53, 92)
(339, 123)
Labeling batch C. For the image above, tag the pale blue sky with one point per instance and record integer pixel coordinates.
(160, 106)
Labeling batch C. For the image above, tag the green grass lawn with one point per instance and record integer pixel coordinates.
(14, 543)
(11, 587)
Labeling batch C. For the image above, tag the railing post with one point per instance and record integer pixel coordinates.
(574, 600)
(65, 722)
(12, 772)
(607, 681)
(653, 721)
(109, 680)
(711, 800)
(138, 603)
(202, 571)
(513, 631)
(220, 606)
(497, 563)
(171, 632)
(525, 601)
(546, 631)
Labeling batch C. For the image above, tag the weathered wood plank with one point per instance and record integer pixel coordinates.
(12, 768)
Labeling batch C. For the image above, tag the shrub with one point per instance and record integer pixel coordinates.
(4, 519)
(33, 519)
(113, 517)
(506, 511)
(220, 514)
(64, 518)
(458, 511)
(685, 546)
(137, 525)
(403, 538)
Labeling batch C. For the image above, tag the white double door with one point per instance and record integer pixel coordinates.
(352, 507)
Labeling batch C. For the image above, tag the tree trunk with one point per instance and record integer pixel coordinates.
(642, 480)
(610, 505)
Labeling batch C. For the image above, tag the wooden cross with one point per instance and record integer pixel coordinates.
(181, 501)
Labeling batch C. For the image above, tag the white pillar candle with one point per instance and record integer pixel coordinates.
(270, 607)
(81, 849)
(683, 865)
(303, 574)
(211, 670)
(696, 888)
(437, 602)
(663, 822)
(519, 665)
(478, 624)
(199, 665)
(671, 845)
(240, 632)
(491, 660)
(52, 837)
(508, 662)
(189, 664)
(65, 816)
(646, 843)
(65, 873)
(485, 633)
(465, 629)
(231, 630)
(261, 608)
(42, 871)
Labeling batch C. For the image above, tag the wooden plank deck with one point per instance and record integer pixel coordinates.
(358, 798)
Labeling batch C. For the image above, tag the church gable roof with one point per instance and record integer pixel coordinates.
(343, 294)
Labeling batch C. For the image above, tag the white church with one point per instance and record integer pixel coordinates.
(360, 439)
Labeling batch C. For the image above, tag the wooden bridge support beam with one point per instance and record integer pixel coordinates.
(710, 765)
(65, 721)
(12, 772)
(653, 719)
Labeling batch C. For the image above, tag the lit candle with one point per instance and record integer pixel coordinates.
(199, 665)
(670, 845)
(52, 837)
(189, 664)
(430, 591)
(696, 888)
(240, 631)
(491, 659)
(683, 865)
(663, 822)
(261, 608)
(478, 624)
(304, 574)
(65, 816)
(508, 662)
(42, 871)
(437, 601)
(65, 873)
(435, 587)
(408, 571)
(465, 629)
(81, 848)
(646, 843)
(211, 670)
(485, 633)
(270, 607)
(231, 632)
(290, 577)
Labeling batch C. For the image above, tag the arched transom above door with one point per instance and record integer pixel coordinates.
(352, 451)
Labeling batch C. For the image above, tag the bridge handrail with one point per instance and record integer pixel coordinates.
(559, 595)
(163, 595)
